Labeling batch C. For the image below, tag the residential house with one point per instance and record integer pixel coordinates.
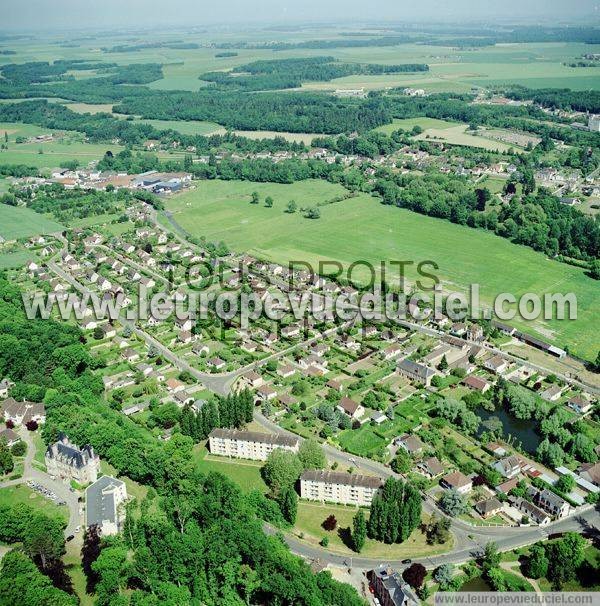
(474, 333)
(578, 403)
(477, 384)
(174, 385)
(410, 443)
(431, 467)
(415, 371)
(286, 371)
(391, 589)
(182, 398)
(9, 437)
(185, 337)
(130, 355)
(509, 467)
(392, 352)
(590, 472)
(488, 507)
(457, 481)
(266, 393)
(290, 331)
(530, 511)
(552, 394)
(496, 364)
(353, 409)
(5, 386)
(507, 486)
(216, 363)
(20, 413)
(556, 506)
(252, 379)
(335, 385)
(378, 417)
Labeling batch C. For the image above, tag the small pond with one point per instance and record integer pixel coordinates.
(476, 584)
(521, 431)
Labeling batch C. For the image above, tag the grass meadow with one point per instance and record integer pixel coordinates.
(363, 229)
(17, 222)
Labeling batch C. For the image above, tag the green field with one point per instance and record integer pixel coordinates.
(246, 474)
(309, 528)
(363, 229)
(456, 135)
(52, 154)
(15, 259)
(191, 127)
(410, 123)
(17, 222)
(451, 69)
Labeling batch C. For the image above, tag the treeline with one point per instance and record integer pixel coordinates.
(291, 73)
(324, 44)
(559, 98)
(234, 410)
(395, 512)
(448, 106)
(39, 572)
(295, 112)
(68, 204)
(42, 79)
(105, 127)
(537, 220)
(134, 48)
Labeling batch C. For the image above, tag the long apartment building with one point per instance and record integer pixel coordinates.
(248, 444)
(339, 487)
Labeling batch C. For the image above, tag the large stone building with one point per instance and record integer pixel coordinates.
(391, 589)
(249, 444)
(104, 505)
(339, 487)
(67, 461)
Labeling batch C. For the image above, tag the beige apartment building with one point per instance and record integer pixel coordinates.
(339, 487)
(248, 444)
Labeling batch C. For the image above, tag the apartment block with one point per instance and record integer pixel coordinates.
(248, 444)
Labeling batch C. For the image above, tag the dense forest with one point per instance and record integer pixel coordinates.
(559, 98)
(43, 79)
(105, 127)
(291, 73)
(295, 112)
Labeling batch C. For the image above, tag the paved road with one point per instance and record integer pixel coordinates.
(468, 539)
(459, 555)
(61, 489)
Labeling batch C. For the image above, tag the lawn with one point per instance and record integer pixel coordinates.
(311, 516)
(17, 222)
(363, 229)
(21, 493)
(246, 474)
(14, 259)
